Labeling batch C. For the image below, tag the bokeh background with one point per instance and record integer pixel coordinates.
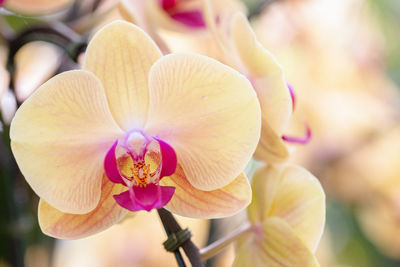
(342, 57)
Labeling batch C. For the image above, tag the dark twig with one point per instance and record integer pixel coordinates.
(172, 226)
(177, 253)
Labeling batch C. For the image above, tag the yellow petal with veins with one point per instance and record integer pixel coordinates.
(292, 194)
(267, 78)
(191, 202)
(59, 137)
(275, 244)
(72, 226)
(36, 7)
(208, 113)
(271, 148)
(121, 55)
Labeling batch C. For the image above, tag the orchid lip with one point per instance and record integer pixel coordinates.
(126, 163)
(299, 140)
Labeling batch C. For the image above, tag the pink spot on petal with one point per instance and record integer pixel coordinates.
(299, 140)
(111, 165)
(192, 19)
(145, 198)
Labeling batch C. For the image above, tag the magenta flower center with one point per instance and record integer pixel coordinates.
(139, 162)
(186, 12)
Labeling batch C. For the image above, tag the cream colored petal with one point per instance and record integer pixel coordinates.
(293, 194)
(219, 31)
(276, 244)
(120, 55)
(59, 137)
(265, 73)
(134, 11)
(72, 226)
(208, 113)
(264, 184)
(36, 7)
(271, 148)
(300, 201)
(191, 202)
(35, 63)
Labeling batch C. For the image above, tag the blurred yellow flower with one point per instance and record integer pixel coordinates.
(36, 7)
(241, 50)
(287, 215)
(89, 139)
(35, 63)
(133, 242)
(177, 15)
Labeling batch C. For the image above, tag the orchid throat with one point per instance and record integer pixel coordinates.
(139, 162)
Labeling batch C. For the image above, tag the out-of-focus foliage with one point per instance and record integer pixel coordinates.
(388, 13)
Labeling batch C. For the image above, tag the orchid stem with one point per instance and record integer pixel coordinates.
(177, 253)
(190, 249)
(219, 245)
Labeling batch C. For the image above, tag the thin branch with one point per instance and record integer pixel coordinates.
(219, 245)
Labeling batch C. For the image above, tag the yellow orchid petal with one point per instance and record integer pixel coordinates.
(35, 63)
(121, 55)
(59, 137)
(264, 184)
(275, 245)
(293, 194)
(266, 74)
(36, 7)
(71, 226)
(271, 148)
(191, 202)
(208, 113)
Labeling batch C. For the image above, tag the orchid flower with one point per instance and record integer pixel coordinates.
(243, 52)
(35, 7)
(135, 130)
(287, 215)
(177, 15)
